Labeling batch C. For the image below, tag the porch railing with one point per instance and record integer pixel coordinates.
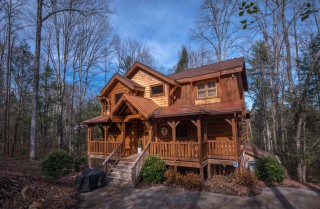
(138, 164)
(190, 151)
(102, 147)
(221, 149)
(113, 158)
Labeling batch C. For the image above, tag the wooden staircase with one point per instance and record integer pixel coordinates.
(121, 174)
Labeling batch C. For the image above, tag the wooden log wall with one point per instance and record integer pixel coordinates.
(145, 79)
(219, 129)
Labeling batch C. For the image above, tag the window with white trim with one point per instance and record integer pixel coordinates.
(207, 89)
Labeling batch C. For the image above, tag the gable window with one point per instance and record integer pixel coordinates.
(157, 90)
(117, 97)
(182, 131)
(207, 89)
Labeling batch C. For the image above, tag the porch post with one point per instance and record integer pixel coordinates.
(123, 135)
(173, 127)
(155, 132)
(235, 139)
(200, 148)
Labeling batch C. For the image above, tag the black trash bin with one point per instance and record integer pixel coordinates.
(91, 178)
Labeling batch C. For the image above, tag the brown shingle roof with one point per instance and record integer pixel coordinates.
(144, 106)
(98, 119)
(223, 107)
(137, 65)
(118, 78)
(176, 110)
(212, 68)
(256, 152)
(212, 109)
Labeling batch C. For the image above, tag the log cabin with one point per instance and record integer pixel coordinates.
(195, 118)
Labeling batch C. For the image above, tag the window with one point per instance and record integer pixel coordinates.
(117, 97)
(157, 90)
(212, 90)
(208, 89)
(182, 131)
(201, 90)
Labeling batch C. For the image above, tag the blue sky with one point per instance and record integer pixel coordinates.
(162, 24)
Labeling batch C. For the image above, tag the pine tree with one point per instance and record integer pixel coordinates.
(183, 61)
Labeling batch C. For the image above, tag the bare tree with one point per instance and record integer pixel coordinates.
(217, 27)
(52, 8)
(131, 50)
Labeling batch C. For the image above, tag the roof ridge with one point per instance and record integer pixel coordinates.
(175, 76)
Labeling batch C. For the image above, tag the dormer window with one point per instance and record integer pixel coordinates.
(207, 89)
(156, 90)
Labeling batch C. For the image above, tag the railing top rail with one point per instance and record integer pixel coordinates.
(112, 153)
(137, 160)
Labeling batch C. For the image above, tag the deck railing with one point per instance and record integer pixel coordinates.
(187, 151)
(113, 158)
(102, 147)
(138, 164)
(221, 149)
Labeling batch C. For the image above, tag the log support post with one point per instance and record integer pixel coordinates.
(173, 126)
(198, 125)
(235, 140)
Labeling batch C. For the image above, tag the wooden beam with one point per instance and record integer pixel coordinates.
(172, 90)
(198, 124)
(134, 112)
(235, 138)
(194, 122)
(129, 117)
(119, 126)
(228, 121)
(205, 128)
(155, 132)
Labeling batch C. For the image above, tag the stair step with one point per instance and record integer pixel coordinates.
(123, 167)
(118, 182)
(125, 163)
(120, 175)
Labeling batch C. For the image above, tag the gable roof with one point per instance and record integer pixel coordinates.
(144, 106)
(127, 82)
(226, 66)
(137, 65)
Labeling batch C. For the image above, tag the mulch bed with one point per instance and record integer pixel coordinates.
(224, 185)
(15, 174)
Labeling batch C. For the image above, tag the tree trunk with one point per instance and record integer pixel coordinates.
(35, 92)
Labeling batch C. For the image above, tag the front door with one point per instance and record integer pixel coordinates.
(135, 132)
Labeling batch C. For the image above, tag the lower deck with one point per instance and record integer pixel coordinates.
(182, 142)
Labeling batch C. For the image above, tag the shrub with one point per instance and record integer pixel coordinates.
(269, 170)
(153, 170)
(56, 164)
(78, 162)
(172, 177)
(191, 180)
(244, 179)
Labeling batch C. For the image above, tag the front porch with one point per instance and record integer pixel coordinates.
(182, 142)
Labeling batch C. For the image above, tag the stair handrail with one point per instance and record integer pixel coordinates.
(116, 153)
(138, 164)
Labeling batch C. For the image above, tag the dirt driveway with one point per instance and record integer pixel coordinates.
(166, 197)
